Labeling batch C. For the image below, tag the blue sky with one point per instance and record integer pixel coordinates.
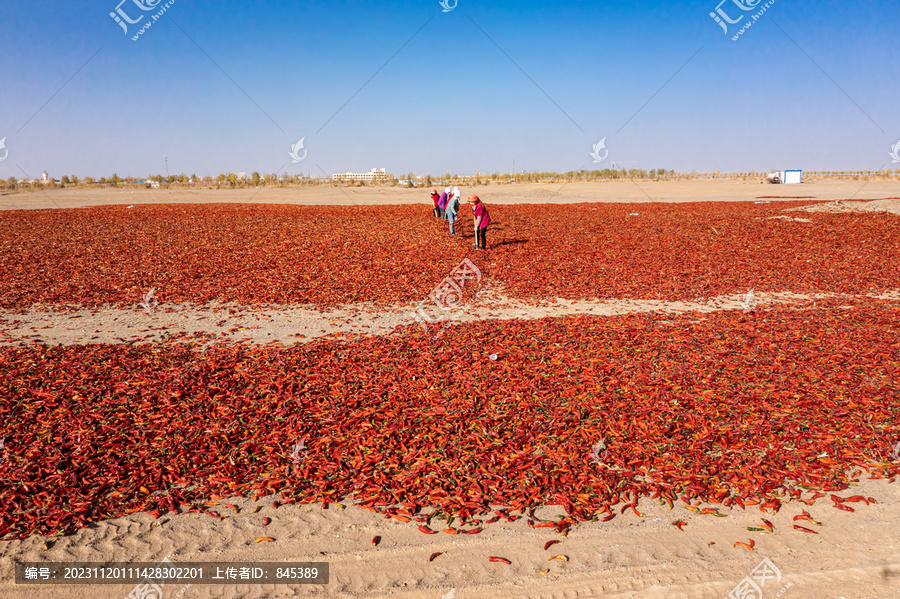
(230, 86)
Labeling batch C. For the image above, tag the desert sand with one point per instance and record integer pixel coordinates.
(855, 555)
(532, 193)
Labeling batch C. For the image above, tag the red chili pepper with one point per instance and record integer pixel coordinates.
(434, 555)
(804, 529)
(748, 546)
(117, 399)
(846, 508)
(679, 524)
(857, 499)
(499, 559)
(806, 516)
(427, 530)
(548, 544)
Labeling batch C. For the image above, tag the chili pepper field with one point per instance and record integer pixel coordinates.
(498, 456)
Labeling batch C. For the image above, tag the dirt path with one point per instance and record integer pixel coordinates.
(296, 324)
(853, 556)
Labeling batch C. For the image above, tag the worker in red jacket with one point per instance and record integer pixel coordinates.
(434, 198)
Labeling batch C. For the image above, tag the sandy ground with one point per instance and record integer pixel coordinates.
(537, 193)
(884, 205)
(855, 555)
(297, 324)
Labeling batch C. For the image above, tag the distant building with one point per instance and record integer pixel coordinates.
(372, 175)
(793, 177)
(789, 177)
(45, 177)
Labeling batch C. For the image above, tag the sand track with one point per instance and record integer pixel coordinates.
(854, 556)
(297, 324)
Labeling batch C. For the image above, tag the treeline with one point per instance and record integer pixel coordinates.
(254, 180)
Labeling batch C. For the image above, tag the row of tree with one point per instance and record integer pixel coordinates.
(233, 181)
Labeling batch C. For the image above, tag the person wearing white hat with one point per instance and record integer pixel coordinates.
(453, 209)
(446, 197)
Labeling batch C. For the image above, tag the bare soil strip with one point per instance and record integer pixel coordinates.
(854, 555)
(299, 324)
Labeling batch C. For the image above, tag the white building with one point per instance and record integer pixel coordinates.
(788, 177)
(372, 175)
(792, 177)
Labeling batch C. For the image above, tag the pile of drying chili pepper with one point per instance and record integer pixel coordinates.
(592, 414)
(327, 255)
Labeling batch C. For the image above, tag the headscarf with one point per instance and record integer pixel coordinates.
(456, 192)
(473, 199)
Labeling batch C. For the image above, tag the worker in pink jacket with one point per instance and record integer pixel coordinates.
(482, 220)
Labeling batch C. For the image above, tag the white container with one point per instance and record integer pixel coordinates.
(792, 177)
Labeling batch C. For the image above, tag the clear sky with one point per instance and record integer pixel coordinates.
(230, 86)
